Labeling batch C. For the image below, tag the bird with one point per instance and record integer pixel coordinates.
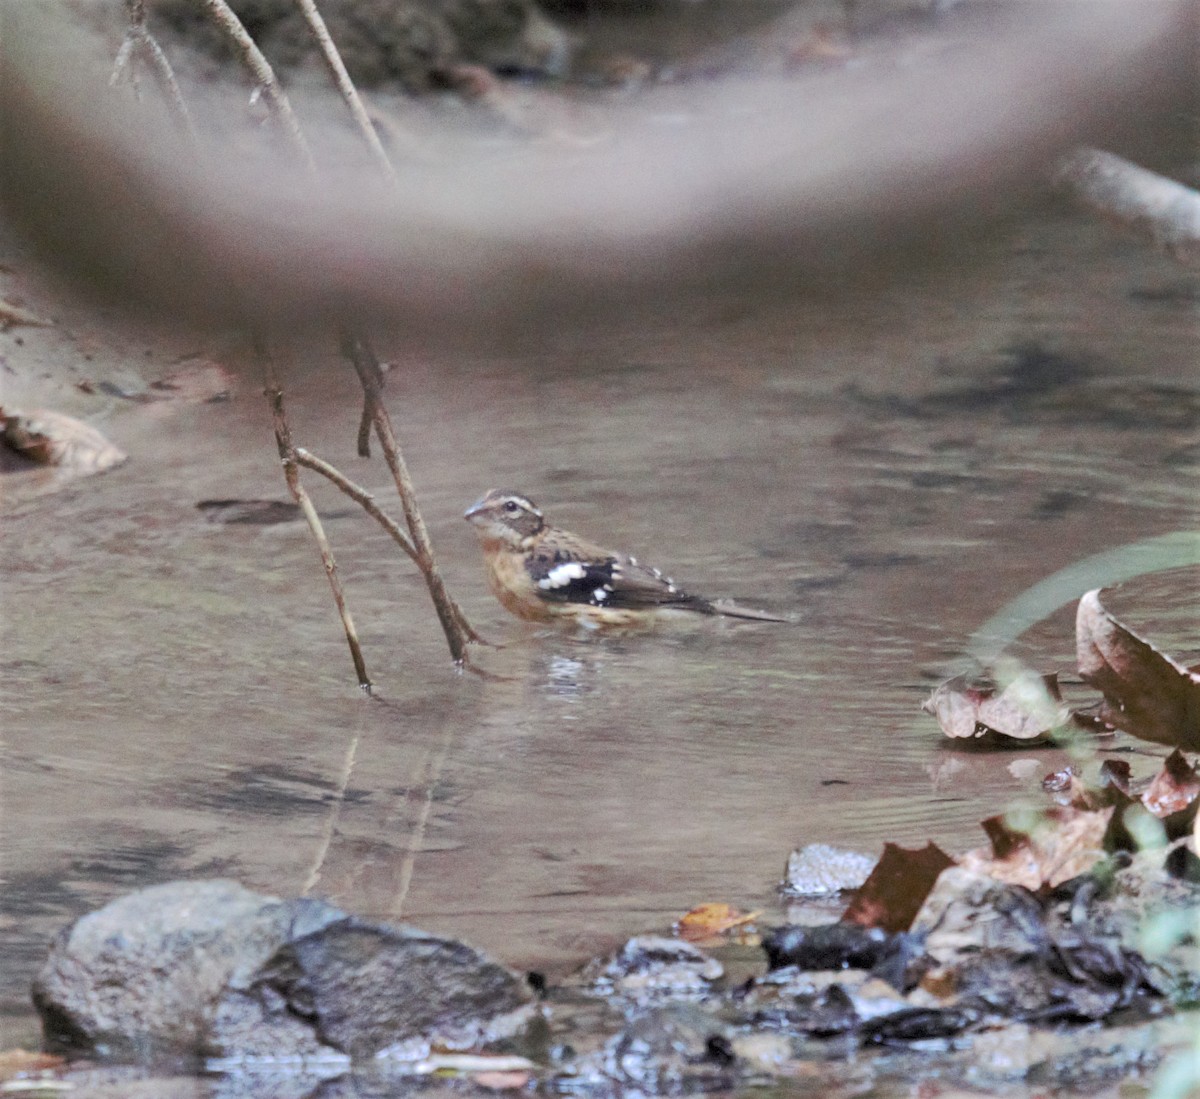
(542, 573)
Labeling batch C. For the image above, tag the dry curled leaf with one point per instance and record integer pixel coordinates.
(707, 920)
(1146, 693)
(1116, 773)
(1174, 788)
(893, 894)
(1064, 843)
(54, 439)
(1029, 709)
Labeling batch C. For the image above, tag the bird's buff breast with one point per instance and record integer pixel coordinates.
(512, 585)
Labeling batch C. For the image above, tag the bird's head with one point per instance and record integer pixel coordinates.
(505, 516)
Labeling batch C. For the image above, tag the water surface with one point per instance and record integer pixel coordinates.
(889, 464)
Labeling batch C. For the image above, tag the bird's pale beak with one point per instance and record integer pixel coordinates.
(475, 509)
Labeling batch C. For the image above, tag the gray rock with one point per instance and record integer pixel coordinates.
(140, 978)
(358, 988)
(651, 967)
(209, 969)
(819, 869)
(672, 1048)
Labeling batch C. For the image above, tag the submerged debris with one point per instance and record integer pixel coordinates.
(1146, 693)
(54, 439)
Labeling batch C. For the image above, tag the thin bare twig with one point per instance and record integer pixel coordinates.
(345, 85)
(287, 453)
(458, 630)
(366, 420)
(139, 42)
(309, 460)
(260, 69)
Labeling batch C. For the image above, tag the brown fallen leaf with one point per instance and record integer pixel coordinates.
(1064, 843)
(54, 439)
(1174, 788)
(1116, 773)
(707, 920)
(1028, 710)
(893, 894)
(1146, 693)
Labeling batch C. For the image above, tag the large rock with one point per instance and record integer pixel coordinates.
(201, 969)
(359, 988)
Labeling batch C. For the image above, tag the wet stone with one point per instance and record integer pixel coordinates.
(820, 869)
(651, 966)
(670, 1047)
(831, 946)
(921, 1024)
(820, 1014)
(359, 988)
(140, 978)
(193, 970)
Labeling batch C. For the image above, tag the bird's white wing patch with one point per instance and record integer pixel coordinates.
(561, 575)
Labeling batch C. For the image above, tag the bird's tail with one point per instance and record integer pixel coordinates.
(730, 609)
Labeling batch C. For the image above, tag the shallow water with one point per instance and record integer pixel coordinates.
(889, 464)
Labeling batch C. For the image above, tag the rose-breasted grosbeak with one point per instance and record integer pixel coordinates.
(543, 574)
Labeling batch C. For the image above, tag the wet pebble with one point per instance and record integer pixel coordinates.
(819, 869)
(654, 966)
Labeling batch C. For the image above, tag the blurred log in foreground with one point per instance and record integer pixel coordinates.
(1159, 208)
(766, 183)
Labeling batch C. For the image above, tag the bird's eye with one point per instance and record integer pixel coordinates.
(511, 506)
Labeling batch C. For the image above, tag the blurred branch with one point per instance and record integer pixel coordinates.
(766, 183)
(140, 43)
(354, 345)
(1152, 205)
(345, 85)
(260, 69)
